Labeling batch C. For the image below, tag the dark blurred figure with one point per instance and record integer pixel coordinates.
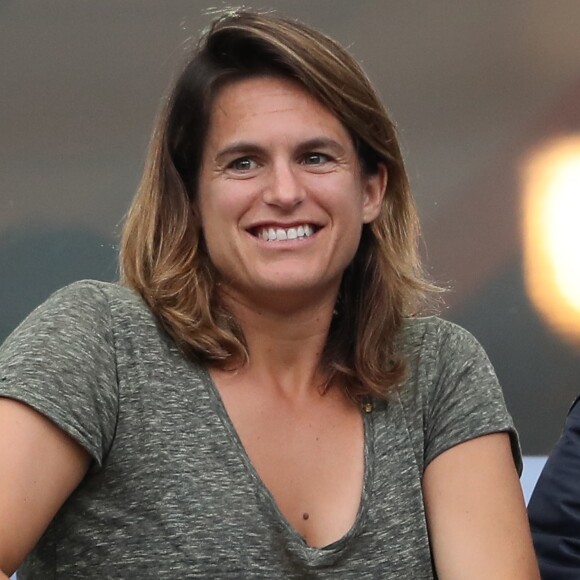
(554, 507)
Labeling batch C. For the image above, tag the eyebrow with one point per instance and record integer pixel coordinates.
(322, 143)
(238, 148)
(249, 148)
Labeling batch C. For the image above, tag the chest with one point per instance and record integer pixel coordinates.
(180, 492)
(309, 456)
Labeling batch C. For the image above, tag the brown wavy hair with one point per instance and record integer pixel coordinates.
(163, 255)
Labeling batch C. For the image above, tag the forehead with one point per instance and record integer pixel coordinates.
(265, 105)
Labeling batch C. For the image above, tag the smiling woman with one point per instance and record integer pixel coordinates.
(276, 160)
(259, 397)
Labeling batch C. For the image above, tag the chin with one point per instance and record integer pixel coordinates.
(287, 291)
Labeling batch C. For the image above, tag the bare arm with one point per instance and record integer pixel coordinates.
(476, 514)
(40, 466)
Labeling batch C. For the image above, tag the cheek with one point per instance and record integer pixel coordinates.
(344, 198)
(215, 210)
(220, 213)
(226, 201)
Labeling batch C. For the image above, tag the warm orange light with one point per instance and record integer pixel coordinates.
(552, 234)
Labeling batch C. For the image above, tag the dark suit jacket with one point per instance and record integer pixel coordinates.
(554, 508)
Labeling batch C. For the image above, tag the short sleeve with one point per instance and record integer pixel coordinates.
(61, 362)
(465, 399)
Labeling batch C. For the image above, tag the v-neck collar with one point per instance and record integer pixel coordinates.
(312, 555)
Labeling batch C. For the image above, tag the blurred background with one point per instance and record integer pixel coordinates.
(486, 96)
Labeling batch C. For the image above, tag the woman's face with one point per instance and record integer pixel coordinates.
(281, 193)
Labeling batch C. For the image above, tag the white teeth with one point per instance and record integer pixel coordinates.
(280, 234)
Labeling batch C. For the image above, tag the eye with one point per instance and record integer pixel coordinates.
(315, 159)
(243, 164)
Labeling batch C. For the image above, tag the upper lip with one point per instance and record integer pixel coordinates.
(284, 226)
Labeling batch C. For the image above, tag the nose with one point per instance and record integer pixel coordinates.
(284, 188)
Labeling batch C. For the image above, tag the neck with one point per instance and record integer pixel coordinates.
(285, 347)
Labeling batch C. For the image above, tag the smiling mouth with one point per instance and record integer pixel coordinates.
(277, 234)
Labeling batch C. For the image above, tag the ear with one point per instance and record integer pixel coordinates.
(374, 187)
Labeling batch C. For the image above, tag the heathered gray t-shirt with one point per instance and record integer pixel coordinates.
(172, 493)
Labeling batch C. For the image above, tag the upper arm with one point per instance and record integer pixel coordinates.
(476, 514)
(58, 410)
(39, 468)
